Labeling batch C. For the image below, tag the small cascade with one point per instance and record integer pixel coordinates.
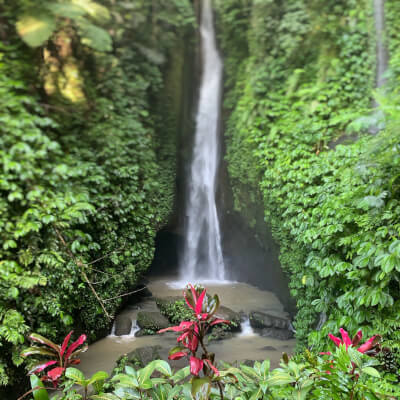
(202, 256)
(134, 328)
(112, 334)
(247, 330)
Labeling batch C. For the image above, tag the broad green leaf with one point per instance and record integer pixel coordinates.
(38, 394)
(126, 380)
(76, 375)
(201, 388)
(371, 371)
(181, 374)
(163, 367)
(280, 378)
(105, 396)
(67, 10)
(34, 29)
(98, 376)
(94, 37)
(98, 12)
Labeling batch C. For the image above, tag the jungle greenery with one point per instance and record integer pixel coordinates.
(89, 109)
(299, 90)
(348, 372)
(89, 115)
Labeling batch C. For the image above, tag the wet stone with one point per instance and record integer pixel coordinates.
(123, 325)
(261, 320)
(152, 321)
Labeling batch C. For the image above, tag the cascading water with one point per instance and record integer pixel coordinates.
(202, 256)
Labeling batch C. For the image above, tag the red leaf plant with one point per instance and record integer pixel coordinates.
(62, 356)
(371, 347)
(193, 333)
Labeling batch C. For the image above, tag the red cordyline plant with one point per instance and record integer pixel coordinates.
(193, 333)
(371, 347)
(62, 356)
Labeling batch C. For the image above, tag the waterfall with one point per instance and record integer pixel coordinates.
(202, 254)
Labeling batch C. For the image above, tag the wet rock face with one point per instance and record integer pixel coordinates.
(273, 326)
(275, 333)
(123, 325)
(152, 321)
(261, 320)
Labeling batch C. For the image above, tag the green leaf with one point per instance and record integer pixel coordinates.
(280, 378)
(76, 375)
(95, 10)
(66, 10)
(94, 37)
(355, 356)
(371, 371)
(38, 394)
(104, 396)
(34, 29)
(201, 388)
(163, 367)
(98, 376)
(181, 374)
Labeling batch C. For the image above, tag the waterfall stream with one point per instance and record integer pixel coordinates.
(202, 255)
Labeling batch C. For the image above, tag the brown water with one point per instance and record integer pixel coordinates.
(103, 354)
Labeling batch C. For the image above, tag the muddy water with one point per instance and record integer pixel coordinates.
(247, 345)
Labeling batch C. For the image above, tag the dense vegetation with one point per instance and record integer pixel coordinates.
(88, 152)
(348, 372)
(90, 107)
(300, 82)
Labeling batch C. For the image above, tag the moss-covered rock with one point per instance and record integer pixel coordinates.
(230, 315)
(175, 309)
(152, 321)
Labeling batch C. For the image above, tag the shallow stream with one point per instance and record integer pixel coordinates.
(245, 345)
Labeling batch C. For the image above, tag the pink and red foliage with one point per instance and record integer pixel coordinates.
(193, 332)
(63, 356)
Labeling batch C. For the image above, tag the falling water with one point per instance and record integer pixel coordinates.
(202, 257)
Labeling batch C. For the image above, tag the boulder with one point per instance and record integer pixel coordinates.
(144, 355)
(230, 315)
(123, 325)
(276, 333)
(152, 321)
(219, 333)
(261, 320)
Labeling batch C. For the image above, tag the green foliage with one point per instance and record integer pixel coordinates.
(342, 375)
(37, 24)
(91, 181)
(175, 311)
(334, 209)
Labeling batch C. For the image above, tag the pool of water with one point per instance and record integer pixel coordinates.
(245, 345)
